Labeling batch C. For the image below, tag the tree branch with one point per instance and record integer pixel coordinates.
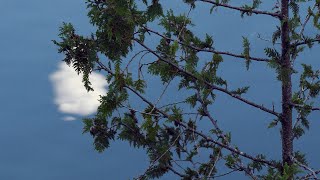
(224, 174)
(213, 87)
(176, 172)
(205, 137)
(309, 175)
(301, 106)
(306, 21)
(156, 160)
(312, 172)
(277, 15)
(207, 50)
(316, 39)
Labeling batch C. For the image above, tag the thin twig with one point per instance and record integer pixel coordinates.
(214, 164)
(141, 112)
(267, 40)
(227, 173)
(171, 104)
(127, 66)
(306, 20)
(165, 89)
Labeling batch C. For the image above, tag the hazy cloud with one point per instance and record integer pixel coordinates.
(69, 118)
(70, 95)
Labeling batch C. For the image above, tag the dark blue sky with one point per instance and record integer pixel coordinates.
(35, 143)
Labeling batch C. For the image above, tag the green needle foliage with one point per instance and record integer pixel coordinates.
(171, 133)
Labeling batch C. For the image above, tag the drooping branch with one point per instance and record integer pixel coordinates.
(211, 86)
(241, 9)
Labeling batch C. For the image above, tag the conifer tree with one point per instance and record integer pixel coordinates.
(171, 133)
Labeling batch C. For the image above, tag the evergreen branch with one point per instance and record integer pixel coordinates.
(213, 87)
(312, 172)
(276, 15)
(205, 137)
(220, 135)
(206, 50)
(117, 21)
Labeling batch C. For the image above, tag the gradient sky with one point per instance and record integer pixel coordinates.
(41, 129)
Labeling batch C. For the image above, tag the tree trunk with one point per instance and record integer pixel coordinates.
(286, 119)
